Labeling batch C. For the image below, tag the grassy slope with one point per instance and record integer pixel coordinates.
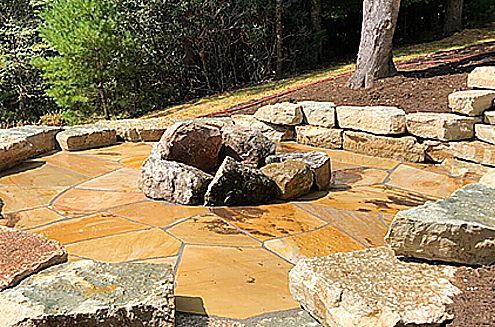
(227, 100)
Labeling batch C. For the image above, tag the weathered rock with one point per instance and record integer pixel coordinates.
(192, 144)
(482, 78)
(294, 178)
(173, 181)
(276, 133)
(460, 228)
(319, 162)
(485, 133)
(488, 179)
(479, 152)
(86, 293)
(377, 120)
(404, 148)
(237, 184)
(1, 208)
(471, 102)
(437, 151)
(246, 145)
(20, 143)
(86, 137)
(490, 117)
(464, 169)
(319, 113)
(441, 126)
(373, 288)
(216, 122)
(329, 138)
(285, 113)
(137, 130)
(23, 254)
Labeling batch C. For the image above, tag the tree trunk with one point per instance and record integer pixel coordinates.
(279, 30)
(317, 27)
(375, 59)
(453, 16)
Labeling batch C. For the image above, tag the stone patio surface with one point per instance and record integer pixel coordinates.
(230, 262)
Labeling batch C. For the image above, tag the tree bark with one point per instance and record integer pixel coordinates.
(279, 31)
(453, 16)
(375, 58)
(317, 27)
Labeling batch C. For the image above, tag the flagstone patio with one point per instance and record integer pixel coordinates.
(230, 262)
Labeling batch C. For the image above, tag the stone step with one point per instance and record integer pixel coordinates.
(137, 130)
(319, 113)
(86, 137)
(476, 151)
(485, 133)
(328, 138)
(377, 120)
(285, 113)
(482, 78)
(471, 102)
(441, 126)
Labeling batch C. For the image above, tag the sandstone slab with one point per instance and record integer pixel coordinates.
(485, 133)
(191, 143)
(319, 113)
(237, 184)
(479, 152)
(460, 228)
(276, 133)
(173, 181)
(373, 288)
(23, 254)
(246, 145)
(488, 179)
(441, 126)
(490, 117)
(404, 148)
(329, 138)
(482, 78)
(294, 178)
(285, 113)
(319, 162)
(137, 130)
(86, 137)
(437, 151)
(86, 293)
(471, 102)
(377, 120)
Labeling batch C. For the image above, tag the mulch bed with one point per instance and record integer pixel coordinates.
(476, 305)
(423, 85)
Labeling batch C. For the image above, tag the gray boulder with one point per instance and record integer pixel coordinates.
(460, 228)
(237, 184)
(86, 293)
(294, 178)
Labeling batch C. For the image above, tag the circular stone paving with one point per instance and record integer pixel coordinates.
(230, 262)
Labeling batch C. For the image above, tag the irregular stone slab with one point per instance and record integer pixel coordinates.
(482, 78)
(471, 102)
(490, 117)
(460, 228)
(479, 152)
(276, 133)
(294, 178)
(319, 113)
(173, 181)
(20, 143)
(488, 179)
(437, 151)
(441, 126)
(192, 144)
(377, 120)
(285, 113)
(404, 148)
(373, 288)
(329, 138)
(137, 130)
(86, 137)
(86, 293)
(246, 145)
(319, 162)
(23, 254)
(485, 133)
(237, 184)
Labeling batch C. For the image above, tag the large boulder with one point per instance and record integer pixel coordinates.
(482, 78)
(294, 178)
(246, 145)
(87, 293)
(319, 113)
(286, 113)
(441, 126)
(276, 133)
(319, 162)
(191, 143)
(329, 138)
(460, 228)
(237, 184)
(377, 120)
(373, 288)
(23, 254)
(173, 181)
(471, 102)
(86, 137)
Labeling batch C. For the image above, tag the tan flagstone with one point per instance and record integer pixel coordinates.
(424, 182)
(76, 202)
(161, 260)
(122, 180)
(94, 226)
(359, 177)
(119, 151)
(270, 221)
(134, 162)
(18, 197)
(84, 165)
(211, 230)
(232, 282)
(137, 245)
(30, 218)
(319, 243)
(157, 213)
(361, 159)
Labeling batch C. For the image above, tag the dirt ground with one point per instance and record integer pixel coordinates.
(421, 85)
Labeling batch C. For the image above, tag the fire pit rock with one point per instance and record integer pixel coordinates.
(294, 178)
